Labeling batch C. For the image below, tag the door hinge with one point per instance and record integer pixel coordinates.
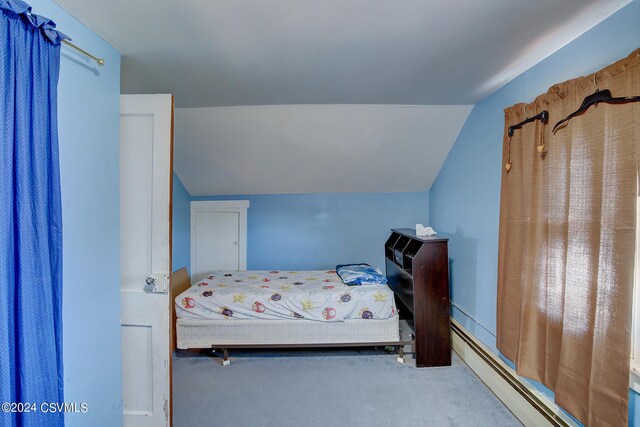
(166, 411)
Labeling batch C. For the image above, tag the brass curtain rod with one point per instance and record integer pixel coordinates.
(98, 61)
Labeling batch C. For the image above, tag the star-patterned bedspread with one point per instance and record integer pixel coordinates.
(312, 295)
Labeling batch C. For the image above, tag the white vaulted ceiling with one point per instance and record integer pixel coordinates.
(433, 54)
(262, 52)
(313, 148)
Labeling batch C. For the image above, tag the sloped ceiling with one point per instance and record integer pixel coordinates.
(313, 148)
(330, 77)
(263, 52)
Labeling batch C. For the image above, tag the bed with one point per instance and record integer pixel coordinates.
(232, 309)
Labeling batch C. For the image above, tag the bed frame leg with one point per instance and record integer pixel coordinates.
(225, 357)
(400, 357)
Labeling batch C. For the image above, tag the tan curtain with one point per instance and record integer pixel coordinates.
(566, 245)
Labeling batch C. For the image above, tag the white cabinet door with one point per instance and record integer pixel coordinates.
(145, 256)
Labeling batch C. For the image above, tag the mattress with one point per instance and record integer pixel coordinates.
(283, 295)
(200, 333)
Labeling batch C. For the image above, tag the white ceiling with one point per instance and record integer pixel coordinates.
(262, 52)
(245, 63)
(313, 148)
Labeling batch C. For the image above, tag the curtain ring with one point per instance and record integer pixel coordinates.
(595, 81)
(525, 110)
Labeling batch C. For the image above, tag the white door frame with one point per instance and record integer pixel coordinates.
(221, 206)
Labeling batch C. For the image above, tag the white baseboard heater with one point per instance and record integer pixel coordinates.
(529, 405)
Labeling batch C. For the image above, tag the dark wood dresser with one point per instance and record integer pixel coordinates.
(418, 273)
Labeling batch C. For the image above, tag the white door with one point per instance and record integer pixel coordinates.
(145, 256)
(218, 236)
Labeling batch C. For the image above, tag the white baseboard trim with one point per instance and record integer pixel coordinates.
(530, 406)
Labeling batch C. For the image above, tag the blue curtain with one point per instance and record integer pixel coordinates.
(30, 216)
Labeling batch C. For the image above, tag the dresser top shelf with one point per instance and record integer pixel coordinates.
(411, 233)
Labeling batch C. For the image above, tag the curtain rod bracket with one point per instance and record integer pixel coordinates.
(543, 116)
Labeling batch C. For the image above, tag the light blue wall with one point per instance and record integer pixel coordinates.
(89, 119)
(465, 198)
(181, 233)
(318, 231)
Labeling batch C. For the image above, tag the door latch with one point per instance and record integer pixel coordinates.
(157, 283)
